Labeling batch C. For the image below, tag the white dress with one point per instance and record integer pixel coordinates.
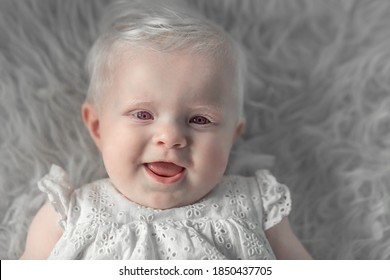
(229, 223)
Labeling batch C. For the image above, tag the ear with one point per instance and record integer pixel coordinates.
(90, 117)
(240, 129)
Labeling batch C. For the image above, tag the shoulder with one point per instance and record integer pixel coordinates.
(43, 234)
(285, 243)
(271, 199)
(262, 177)
(262, 181)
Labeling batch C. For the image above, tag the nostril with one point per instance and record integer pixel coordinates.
(170, 136)
(173, 143)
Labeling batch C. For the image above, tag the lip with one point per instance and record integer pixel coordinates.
(162, 179)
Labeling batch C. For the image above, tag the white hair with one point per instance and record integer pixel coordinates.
(162, 26)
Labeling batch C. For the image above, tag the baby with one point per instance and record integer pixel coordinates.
(164, 108)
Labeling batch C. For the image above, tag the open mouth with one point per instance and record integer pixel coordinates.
(165, 172)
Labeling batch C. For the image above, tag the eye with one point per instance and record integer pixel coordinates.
(143, 115)
(200, 120)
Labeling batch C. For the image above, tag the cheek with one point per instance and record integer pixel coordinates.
(120, 148)
(215, 156)
(112, 149)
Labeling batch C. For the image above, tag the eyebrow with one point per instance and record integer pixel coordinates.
(216, 108)
(197, 106)
(133, 102)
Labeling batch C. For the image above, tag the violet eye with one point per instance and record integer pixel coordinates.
(143, 115)
(200, 120)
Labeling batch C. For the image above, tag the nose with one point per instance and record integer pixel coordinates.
(170, 136)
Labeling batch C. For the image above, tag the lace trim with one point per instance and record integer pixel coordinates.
(58, 189)
(276, 199)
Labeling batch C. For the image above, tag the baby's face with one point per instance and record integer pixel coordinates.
(166, 126)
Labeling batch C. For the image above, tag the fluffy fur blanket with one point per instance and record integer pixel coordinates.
(318, 111)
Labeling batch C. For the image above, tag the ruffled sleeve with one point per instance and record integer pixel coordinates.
(275, 197)
(58, 189)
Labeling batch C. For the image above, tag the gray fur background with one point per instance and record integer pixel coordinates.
(318, 108)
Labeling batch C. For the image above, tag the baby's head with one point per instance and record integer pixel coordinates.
(165, 101)
(163, 28)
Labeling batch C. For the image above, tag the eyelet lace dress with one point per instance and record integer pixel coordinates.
(229, 223)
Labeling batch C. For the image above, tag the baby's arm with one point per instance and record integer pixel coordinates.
(284, 243)
(43, 234)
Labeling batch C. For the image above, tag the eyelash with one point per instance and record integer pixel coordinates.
(146, 116)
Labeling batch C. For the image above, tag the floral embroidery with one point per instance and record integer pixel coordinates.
(106, 244)
(222, 235)
(253, 244)
(194, 210)
(161, 233)
(81, 237)
(168, 254)
(98, 216)
(235, 197)
(212, 254)
(147, 219)
(200, 224)
(100, 197)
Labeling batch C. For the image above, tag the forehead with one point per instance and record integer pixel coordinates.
(140, 68)
(211, 62)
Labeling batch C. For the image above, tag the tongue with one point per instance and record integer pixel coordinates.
(165, 169)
